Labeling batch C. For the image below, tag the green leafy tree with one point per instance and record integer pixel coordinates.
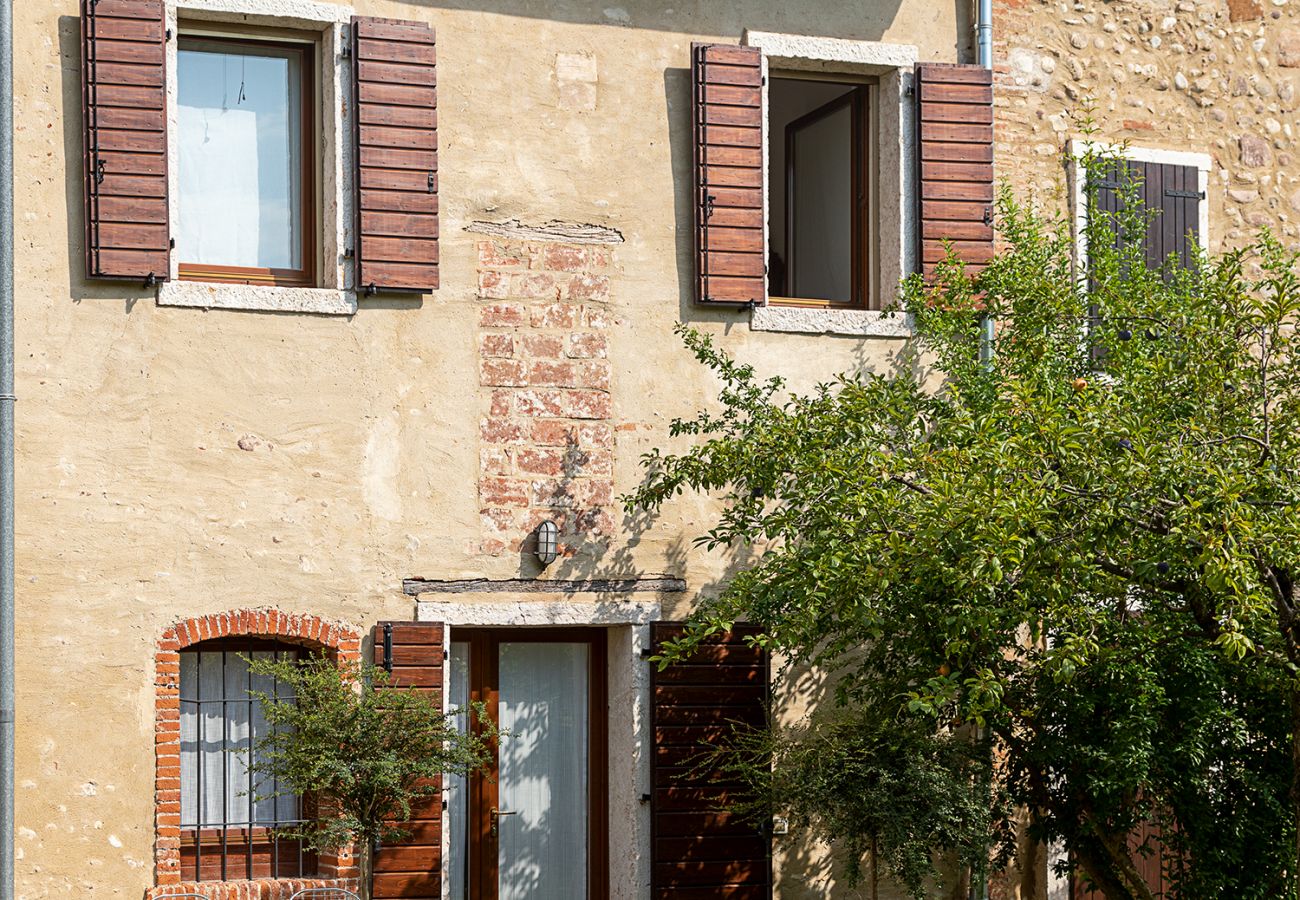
(364, 750)
(1083, 553)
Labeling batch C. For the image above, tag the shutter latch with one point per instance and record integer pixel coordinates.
(988, 215)
(99, 171)
(433, 182)
(150, 280)
(388, 647)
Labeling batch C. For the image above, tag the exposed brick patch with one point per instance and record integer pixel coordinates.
(546, 444)
(344, 642)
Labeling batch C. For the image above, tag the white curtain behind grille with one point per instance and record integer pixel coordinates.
(219, 723)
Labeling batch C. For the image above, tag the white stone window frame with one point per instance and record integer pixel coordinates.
(335, 198)
(893, 200)
(1080, 148)
(627, 624)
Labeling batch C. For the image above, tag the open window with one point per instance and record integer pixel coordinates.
(819, 180)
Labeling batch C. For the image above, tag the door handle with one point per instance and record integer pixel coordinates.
(496, 815)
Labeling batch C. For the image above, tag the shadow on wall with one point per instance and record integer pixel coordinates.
(871, 18)
(74, 150)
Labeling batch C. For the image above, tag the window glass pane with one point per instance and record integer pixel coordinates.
(542, 780)
(822, 186)
(241, 156)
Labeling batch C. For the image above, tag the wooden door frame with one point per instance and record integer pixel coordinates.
(484, 687)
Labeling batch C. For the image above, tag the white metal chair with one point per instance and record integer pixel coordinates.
(324, 893)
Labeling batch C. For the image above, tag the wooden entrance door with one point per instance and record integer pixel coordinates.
(533, 826)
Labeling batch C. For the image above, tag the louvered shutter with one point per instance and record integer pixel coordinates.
(123, 65)
(699, 849)
(412, 870)
(727, 85)
(1172, 192)
(955, 121)
(396, 140)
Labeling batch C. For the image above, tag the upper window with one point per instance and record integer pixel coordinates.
(819, 185)
(230, 825)
(246, 170)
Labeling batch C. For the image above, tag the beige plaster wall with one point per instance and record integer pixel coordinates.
(175, 462)
(1211, 76)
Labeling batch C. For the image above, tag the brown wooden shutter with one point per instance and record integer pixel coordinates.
(123, 66)
(412, 870)
(699, 849)
(1174, 194)
(727, 84)
(396, 139)
(955, 121)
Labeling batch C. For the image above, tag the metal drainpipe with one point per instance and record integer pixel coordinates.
(7, 401)
(984, 42)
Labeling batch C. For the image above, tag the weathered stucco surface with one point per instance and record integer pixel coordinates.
(175, 462)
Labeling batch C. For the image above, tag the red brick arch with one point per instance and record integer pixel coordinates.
(310, 631)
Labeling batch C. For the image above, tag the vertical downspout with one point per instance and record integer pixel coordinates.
(7, 400)
(984, 42)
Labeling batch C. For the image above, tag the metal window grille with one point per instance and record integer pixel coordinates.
(233, 831)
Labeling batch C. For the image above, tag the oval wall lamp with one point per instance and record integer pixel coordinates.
(548, 542)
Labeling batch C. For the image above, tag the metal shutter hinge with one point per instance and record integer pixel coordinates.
(171, 243)
(346, 52)
(433, 182)
(150, 280)
(99, 171)
(988, 215)
(1186, 195)
(709, 200)
(169, 34)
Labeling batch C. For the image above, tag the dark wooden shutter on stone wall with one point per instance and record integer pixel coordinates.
(701, 851)
(955, 123)
(412, 870)
(727, 93)
(1174, 194)
(396, 91)
(123, 66)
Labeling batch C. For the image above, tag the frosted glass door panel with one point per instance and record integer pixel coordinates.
(543, 784)
(457, 785)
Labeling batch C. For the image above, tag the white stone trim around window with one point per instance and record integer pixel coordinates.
(335, 294)
(850, 322)
(1080, 148)
(628, 723)
(895, 214)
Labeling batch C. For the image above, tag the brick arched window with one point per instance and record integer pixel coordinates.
(204, 840)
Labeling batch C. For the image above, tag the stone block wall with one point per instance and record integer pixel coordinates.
(547, 435)
(1213, 76)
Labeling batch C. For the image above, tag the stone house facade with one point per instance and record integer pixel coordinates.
(360, 299)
